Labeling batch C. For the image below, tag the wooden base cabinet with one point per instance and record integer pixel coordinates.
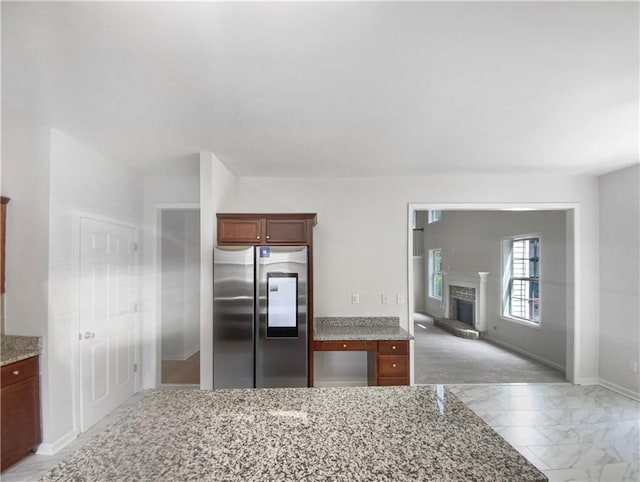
(392, 363)
(20, 407)
(387, 361)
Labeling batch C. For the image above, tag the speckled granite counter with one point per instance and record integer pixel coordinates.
(15, 348)
(350, 434)
(359, 328)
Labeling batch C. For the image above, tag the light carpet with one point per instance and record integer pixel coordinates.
(441, 357)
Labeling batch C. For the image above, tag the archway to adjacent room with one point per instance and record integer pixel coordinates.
(459, 260)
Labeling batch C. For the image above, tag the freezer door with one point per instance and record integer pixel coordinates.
(281, 345)
(233, 318)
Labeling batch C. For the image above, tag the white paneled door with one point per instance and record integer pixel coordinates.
(107, 317)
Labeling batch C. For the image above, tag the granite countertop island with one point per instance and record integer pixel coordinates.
(359, 328)
(351, 434)
(15, 348)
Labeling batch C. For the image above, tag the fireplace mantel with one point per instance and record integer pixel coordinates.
(468, 279)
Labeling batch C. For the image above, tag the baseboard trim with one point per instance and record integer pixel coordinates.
(619, 389)
(339, 383)
(587, 381)
(55, 447)
(533, 356)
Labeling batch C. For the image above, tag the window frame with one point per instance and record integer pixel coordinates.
(433, 274)
(507, 280)
(434, 215)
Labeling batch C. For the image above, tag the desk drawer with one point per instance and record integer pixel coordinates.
(392, 366)
(342, 345)
(18, 371)
(393, 347)
(390, 381)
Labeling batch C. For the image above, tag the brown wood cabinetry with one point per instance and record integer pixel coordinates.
(392, 363)
(387, 361)
(20, 407)
(259, 229)
(240, 231)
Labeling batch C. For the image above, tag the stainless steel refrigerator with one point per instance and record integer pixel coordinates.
(260, 316)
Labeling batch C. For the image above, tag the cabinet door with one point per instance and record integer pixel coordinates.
(240, 231)
(291, 231)
(20, 404)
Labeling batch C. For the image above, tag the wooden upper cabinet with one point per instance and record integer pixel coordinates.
(288, 231)
(240, 230)
(276, 229)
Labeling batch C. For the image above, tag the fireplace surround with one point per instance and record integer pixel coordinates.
(470, 288)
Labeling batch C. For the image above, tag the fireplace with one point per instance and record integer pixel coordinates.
(465, 297)
(462, 302)
(464, 312)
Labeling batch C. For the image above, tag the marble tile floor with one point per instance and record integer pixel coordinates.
(570, 432)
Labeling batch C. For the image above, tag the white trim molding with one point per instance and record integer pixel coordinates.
(621, 390)
(55, 447)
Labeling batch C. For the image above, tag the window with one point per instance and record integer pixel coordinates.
(521, 280)
(434, 216)
(435, 274)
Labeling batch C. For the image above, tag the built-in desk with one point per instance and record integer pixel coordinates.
(386, 344)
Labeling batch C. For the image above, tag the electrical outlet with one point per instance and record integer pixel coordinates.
(355, 298)
(633, 366)
(385, 299)
(400, 299)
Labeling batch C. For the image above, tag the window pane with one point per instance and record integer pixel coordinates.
(524, 293)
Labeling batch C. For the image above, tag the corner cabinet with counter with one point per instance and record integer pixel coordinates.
(19, 398)
(386, 344)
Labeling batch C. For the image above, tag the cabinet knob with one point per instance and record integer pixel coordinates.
(394, 365)
(257, 237)
(16, 372)
(393, 347)
(344, 345)
(267, 236)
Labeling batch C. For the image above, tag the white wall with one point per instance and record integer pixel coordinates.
(82, 181)
(620, 279)
(217, 190)
(471, 242)
(159, 192)
(360, 242)
(180, 298)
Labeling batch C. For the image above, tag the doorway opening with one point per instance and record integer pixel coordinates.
(179, 296)
(464, 285)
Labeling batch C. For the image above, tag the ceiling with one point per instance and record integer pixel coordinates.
(332, 89)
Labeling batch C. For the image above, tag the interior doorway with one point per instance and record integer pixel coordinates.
(179, 296)
(457, 259)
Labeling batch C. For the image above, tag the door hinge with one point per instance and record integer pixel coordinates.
(135, 368)
(135, 246)
(79, 336)
(135, 307)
